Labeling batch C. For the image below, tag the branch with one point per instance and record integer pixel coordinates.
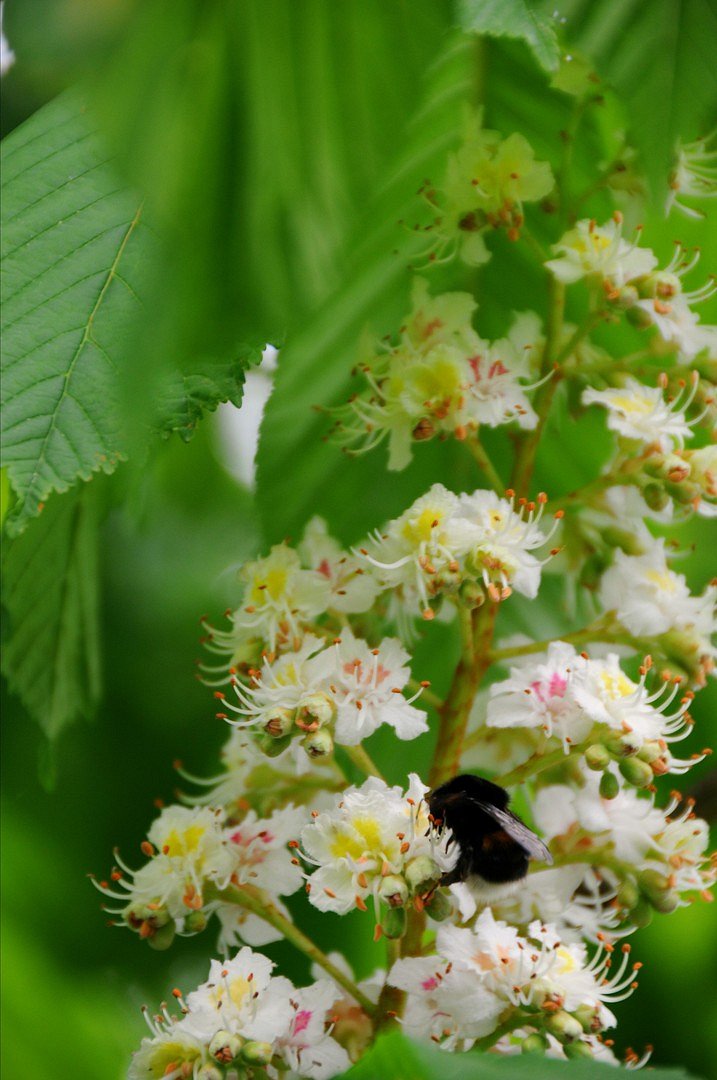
(259, 903)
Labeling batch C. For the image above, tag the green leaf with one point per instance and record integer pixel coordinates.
(314, 366)
(660, 58)
(515, 19)
(394, 1057)
(52, 657)
(72, 245)
(191, 394)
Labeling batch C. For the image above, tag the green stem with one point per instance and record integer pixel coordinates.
(467, 678)
(484, 463)
(391, 1000)
(536, 764)
(259, 903)
(603, 629)
(363, 761)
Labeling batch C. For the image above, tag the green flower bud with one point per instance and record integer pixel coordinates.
(225, 1046)
(627, 297)
(318, 744)
(588, 1018)
(393, 922)
(161, 939)
(655, 496)
(472, 594)
(609, 786)
(597, 757)
(649, 752)
(563, 1026)
(393, 890)
(273, 747)
(578, 1049)
(628, 895)
(279, 723)
(641, 914)
(660, 285)
(639, 318)
(421, 875)
(656, 888)
(136, 915)
(534, 1044)
(209, 1072)
(439, 906)
(316, 709)
(195, 922)
(257, 1053)
(636, 772)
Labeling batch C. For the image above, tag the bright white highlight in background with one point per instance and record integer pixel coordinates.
(238, 429)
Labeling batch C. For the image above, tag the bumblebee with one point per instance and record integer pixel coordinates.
(495, 846)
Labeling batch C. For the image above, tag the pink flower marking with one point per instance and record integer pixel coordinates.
(324, 568)
(429, 984)
(555, 687)
(302, 1020)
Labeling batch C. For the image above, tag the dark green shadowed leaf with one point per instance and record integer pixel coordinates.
(394, 1057)
(52, 657)
(72, 244)
(189, 395)
(660, 58)
(520, 19)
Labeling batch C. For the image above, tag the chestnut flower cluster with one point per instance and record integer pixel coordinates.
(315, 658)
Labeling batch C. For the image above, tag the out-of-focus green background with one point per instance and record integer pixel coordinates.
(73, 987)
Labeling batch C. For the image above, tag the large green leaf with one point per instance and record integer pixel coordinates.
(394, 1057)
(72, 247)
(51, 659)
(520, 19)
(660, 58)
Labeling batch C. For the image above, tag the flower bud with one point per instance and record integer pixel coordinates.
(393, 890)
(628, 895)
(279, 723)
(650, 751)
(421, 875)
(225, 1046)
(641, 914)
(627, 297)
(609, 786)
(257, 1053)
(318, 744)
(137, 914)
(195, 922)
(534, 1044)
(209, 1072)
(161, 939)
(472, 594)
(577, 1049)
(656, 888)
(636, 772)
(596, 757)
(393, 922)
(316, 709)
(659, 285)
(655, 496)
(563, 1026)
(439, 906)
(639, 318)
(273, 747)
(587, 1017)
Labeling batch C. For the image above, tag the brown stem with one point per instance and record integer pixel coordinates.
(456, 709)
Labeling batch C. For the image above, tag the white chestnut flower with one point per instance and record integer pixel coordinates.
(243, 1018)
(668, 307)
(601, 250)
(650, 599)
(346, 689)
(577, 900)
(351, 588)
(444, 1003)
(503, 539)
(640, 412)
(375, 832)
(541, 694)
(419, 552)
(495, 393)
(694, 175)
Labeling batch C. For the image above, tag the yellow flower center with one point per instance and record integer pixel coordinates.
(183, 843)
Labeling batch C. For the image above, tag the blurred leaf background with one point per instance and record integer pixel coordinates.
(275, 146)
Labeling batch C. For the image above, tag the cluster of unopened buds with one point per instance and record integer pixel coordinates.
(484, 950)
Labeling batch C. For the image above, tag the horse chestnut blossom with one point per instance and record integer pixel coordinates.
(243, 1017)
(313, 800)
(377, 844)
(440, 379)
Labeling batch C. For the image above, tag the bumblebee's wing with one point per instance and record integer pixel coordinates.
(519, 832)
